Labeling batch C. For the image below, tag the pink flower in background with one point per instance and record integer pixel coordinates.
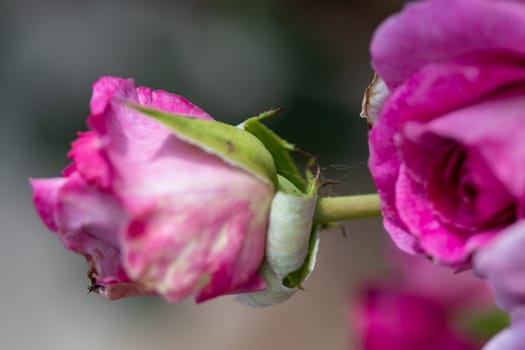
(417, 308)
(393, 319)
(447, 145)
(152, 212)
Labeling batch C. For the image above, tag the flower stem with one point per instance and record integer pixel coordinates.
(333, 209)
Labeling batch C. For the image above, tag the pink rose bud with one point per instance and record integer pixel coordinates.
(446, 146)
(161, 199)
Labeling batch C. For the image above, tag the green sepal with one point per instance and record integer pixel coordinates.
(289, 228)
(233, 145)
(278, 148)
(274, 293)
(296, 223)
(297, 277)
(286, 186)
(279, 290)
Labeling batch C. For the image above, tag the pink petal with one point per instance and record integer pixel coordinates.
(45, 198)
(133, 138)
(475, 127)
(436, 239)
(91, 222)
(503, 264)
(84, 209)
(437, 90)
(108, 100)
(384, 165)
(441, 30)
(179, 249)
(89, 160)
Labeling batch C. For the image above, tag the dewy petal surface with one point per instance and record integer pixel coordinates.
(441, 30)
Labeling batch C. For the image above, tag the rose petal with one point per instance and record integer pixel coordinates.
(91, 223)
(434, 91)
(436, 239)
(503, 264)
(131, 133)
(384, 165)
(179, 249)
(442, 30)
(476, 125)
(88, 159)
(45, 198)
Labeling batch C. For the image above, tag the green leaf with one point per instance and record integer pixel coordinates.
(278, 148)
(233, 145)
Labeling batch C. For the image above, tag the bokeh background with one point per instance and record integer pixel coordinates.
(232, 58)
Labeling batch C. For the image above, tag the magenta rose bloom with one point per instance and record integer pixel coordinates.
(152, 212)
(447, 142)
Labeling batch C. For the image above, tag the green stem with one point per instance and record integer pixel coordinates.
(332, 209)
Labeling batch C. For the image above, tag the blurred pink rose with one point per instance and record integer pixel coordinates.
(151, 212)
(447, 147)
(396, 319)
(417, 308)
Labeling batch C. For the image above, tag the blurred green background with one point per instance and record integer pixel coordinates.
(232, 58)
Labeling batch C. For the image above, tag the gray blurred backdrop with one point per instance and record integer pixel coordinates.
(232, 58)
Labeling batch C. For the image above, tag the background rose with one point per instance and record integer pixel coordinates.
(418, 306)
(152, 213)
(448, 144)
